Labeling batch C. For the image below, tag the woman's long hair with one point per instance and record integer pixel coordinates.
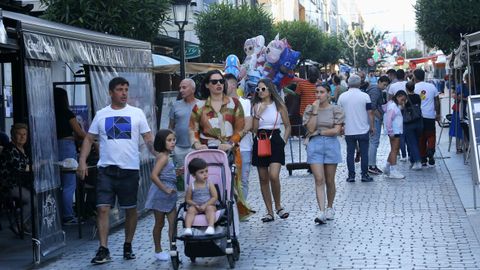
(273, 94)
(60, 100)
(397, 95)
(204, 91)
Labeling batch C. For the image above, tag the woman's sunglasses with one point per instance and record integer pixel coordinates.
(213, 81)
(263, 89)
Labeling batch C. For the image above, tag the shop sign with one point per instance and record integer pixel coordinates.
(191, 51)
(371, 62)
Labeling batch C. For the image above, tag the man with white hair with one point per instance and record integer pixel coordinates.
(179, 120)
(359, 124)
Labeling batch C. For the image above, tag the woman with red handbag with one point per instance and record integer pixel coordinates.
(269, 112)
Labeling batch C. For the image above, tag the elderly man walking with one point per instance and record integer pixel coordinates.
(180, 118)
(359, 124)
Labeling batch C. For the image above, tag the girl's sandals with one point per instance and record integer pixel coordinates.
(268, 218)
(282, 213)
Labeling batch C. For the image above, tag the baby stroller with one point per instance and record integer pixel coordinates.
(225, 240)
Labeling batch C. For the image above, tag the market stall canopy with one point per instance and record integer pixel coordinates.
(162, 60)
(190, 67)
(473, 39)
(50, 41)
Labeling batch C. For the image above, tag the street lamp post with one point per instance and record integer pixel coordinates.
(180, 14)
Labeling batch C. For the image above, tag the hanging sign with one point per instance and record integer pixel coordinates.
(371, 62)
(400, 61)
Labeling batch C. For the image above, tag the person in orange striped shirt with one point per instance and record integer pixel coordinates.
(306, 88)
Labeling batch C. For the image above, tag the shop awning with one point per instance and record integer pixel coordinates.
(162, 60)
(50, 41)
(190, 68)
(474, 38)
(421, 60)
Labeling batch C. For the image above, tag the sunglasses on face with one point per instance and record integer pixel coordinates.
(213, 81)
(263, 89)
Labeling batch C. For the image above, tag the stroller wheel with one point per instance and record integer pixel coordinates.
(236, 249)
(231, 260)
(175, 261)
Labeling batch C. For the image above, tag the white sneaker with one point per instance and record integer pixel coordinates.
(403, 159)
(395, 175)
(329, 213)
(188, 232)
(417, 166)
(321, 219)
(210, 230)
(386, 170)
(163, 256)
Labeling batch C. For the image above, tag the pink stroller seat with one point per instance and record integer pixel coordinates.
(218, 174)
(201, 220)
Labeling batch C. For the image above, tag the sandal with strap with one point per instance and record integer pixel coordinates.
(268, 218)
(282, 213)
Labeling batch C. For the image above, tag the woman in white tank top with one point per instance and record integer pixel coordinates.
(269, 112)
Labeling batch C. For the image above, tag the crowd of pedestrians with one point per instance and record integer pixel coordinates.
(224, 120)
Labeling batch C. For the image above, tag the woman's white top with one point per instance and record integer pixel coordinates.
(268, 116)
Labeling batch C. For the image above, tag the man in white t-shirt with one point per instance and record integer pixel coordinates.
(393, 88)
(430, 112)
(118, 127)
(246, 143)
(359, 123)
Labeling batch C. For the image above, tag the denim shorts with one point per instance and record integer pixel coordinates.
(323, 150)
(114, 182)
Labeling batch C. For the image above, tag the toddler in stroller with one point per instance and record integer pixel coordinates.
(211, 223)
(201, 196)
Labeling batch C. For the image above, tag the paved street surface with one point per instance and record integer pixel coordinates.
(415, 223)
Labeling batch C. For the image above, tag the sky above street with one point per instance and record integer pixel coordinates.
(396, 16)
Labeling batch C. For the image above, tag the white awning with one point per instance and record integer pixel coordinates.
(162, 60)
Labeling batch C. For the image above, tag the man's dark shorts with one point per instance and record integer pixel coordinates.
(112, 182)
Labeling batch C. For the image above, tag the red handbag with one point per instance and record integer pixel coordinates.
(264, 147)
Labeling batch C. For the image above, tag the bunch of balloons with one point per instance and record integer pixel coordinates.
(276, 61)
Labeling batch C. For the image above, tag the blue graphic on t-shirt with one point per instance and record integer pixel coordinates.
(118, 127)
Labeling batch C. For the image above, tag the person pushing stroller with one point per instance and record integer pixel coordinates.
(201, 197)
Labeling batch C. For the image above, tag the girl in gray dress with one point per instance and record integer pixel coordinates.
(162, 196)
(201, 196)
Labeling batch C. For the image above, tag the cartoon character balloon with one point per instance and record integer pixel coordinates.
(275, 49)
(251, 70)
(232, 65)
(286, 65)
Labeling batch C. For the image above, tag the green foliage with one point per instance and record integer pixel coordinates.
(414, 53)
(310, 41)
(440, 22)
(223, 29)
(362, 52)
(302, 37)
(331, 51)
(137, 19)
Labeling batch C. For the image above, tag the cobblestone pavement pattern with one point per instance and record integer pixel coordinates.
(413, 223)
